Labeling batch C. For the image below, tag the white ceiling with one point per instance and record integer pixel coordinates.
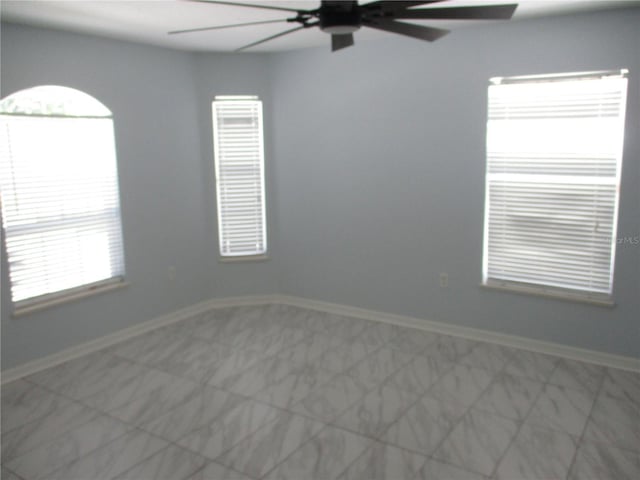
(149, 21)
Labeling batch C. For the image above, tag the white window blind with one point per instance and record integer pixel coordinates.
(239, 165)
(59, 186)
(554, 153)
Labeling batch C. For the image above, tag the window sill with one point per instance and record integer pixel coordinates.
(246, 258)
(76, 294)
(549, 292)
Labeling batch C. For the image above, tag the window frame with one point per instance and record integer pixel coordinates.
(546, 290)
(259, 255)
(118, 280)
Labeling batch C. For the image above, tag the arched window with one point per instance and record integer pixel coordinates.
(60, 201)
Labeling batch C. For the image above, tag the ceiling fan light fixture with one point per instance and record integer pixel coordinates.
(340, 29)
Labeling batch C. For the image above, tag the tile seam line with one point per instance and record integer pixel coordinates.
(522, 422)
(580, 441)
(457, 422)
(330, 423)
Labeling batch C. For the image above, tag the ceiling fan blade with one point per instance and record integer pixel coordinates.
(339, 41)
(251, 5)
(416, 31)
(270, 38)
(393, 6)
(484, 12)
(219, 27)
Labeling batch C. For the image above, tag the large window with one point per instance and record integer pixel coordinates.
(554, 154)
(60, 203)
(239, 164)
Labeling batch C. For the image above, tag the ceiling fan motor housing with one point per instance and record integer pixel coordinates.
(339, 19)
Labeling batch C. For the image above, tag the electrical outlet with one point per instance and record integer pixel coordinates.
(444, 280)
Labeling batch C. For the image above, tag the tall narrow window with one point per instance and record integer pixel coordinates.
(554, 154)
(60, 202)
(239, 163)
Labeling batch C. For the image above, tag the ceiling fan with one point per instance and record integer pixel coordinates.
(341, 18)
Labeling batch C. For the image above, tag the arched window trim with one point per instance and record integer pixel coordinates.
(54, 101)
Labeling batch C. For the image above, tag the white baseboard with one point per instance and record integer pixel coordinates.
(129, 332)
(565, 351)
(591, 356)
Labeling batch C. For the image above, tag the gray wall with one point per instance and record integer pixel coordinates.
(232, 74)
(161, 103)
(375, 176)
(380, 152)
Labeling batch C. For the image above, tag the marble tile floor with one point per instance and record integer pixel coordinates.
(280, 392)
